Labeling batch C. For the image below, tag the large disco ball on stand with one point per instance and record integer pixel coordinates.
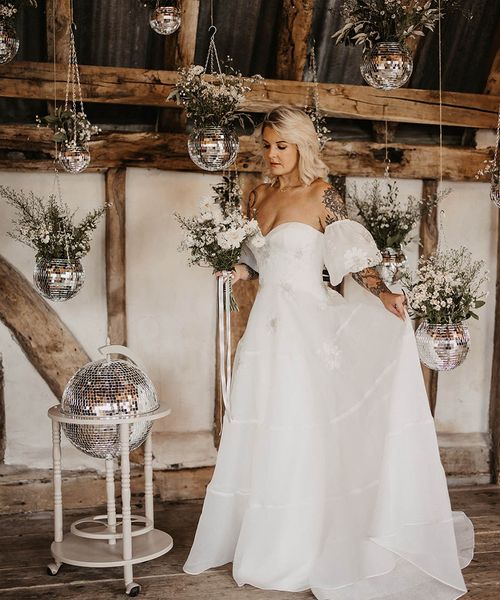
(9, 44)
(108, 389)
(213, 148)
(58, 279)
(165, 20)
(442, 347)
(387, 66)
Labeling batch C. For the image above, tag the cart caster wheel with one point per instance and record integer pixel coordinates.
(53, 569)
(133, 589)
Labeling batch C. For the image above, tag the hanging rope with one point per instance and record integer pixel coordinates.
(442, 215)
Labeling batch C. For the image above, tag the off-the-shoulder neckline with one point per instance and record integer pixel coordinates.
(305, 225)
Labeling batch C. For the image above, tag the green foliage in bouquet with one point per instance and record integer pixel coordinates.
(389, 221)
(70, 127)
(47, 225)
(212, 100)
(446, 287)
(371, 21)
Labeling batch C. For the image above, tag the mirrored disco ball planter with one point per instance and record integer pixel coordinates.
(387, 66)
(391, 267)
(442, 347)
(213, 148)
(9, 44)
(107, 410)
(165, 20)
(58, 279)
(74, 159)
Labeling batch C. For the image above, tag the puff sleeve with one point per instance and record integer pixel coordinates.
(348, 248)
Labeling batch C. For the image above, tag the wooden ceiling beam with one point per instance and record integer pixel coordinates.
(293, 38)
(25, 147)
(151, 88)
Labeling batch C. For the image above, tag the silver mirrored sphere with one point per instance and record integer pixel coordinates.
(213, 148)
(392, 265)
(442, 347)
(108, 389)
(74, 159)
(165, 20)
(387, 66)
(9, 44)
(58, 279)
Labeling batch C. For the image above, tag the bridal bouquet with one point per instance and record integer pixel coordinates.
(215, 236)
(446, 287)
(47, 226)
(370, 21)
(390, 222)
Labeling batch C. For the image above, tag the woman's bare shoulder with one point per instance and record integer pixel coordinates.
(329, 202)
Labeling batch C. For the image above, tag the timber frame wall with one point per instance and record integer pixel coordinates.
(25, 148)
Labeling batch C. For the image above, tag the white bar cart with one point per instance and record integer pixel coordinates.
(109, 540)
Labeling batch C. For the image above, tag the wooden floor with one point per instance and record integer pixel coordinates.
(25, 542)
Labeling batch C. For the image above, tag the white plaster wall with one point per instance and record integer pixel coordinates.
(463, 394)
(27, 397)
(171, 307)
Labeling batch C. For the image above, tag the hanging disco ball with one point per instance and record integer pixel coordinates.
(442, 347)
(9, 44)
(108, 389)
(58, 279)
(165, 20)
(387, 66)
(391, 267)
(74, 159)
(213, 148)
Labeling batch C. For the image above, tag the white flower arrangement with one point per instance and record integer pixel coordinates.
(211, 100)
(214, 237)
(70, 127)
(47, 225)
(447, 287)
(372, 21)
(9, 8)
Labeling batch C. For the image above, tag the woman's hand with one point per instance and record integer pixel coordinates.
(238, 272)
(394, 303)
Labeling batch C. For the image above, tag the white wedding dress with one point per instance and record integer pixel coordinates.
(328, 475)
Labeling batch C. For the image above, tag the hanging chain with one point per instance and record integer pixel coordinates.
(212, 55)
(496, 166)
(441, 214)
(387, 160)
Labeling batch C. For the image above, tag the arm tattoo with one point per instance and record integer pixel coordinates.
(335, 206)
(252, 273)
(370, 280)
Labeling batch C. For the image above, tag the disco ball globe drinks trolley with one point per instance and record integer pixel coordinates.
(107, 410)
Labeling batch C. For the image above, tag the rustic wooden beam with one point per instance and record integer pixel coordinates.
(48, 344)
(59, 16)
(151, 88)
(115, 256)
(429, 236)
(493, 83)
(293, 38)
(26, 147)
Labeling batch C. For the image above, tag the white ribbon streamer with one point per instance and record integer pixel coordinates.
(224, 319)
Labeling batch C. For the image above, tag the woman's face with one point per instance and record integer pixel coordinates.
(281, 157)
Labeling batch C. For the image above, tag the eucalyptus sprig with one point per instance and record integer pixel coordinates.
(47, 225)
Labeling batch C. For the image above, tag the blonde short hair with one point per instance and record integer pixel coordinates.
(295, 127)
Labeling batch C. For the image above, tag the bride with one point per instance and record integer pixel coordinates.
(328, 475)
